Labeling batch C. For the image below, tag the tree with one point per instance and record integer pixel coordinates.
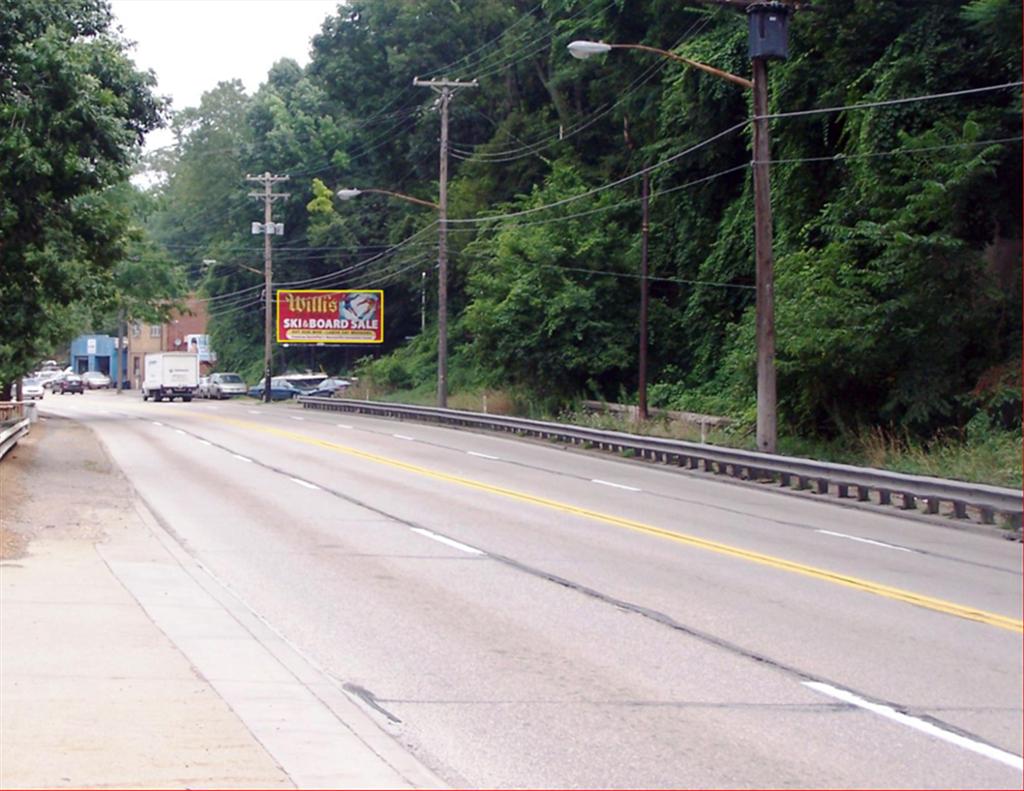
(74, 111)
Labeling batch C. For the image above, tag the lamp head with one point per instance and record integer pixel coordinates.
(587, 49)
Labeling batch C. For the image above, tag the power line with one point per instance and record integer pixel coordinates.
(603, 187)
(891, 102)
(922, 150)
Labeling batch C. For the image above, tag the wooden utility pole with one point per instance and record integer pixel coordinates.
(268, 196)
(445, 88)
(644, 296)
(122, 363)
(765, 279)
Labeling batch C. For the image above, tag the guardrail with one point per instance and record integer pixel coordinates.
(10, 409)
(10, 435)
(938, 496)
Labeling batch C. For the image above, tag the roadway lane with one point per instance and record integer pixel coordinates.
(521, 642)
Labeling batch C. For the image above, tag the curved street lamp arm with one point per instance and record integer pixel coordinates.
(702, 66)
(404, 197)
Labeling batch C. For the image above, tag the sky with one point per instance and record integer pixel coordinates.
(192, 45)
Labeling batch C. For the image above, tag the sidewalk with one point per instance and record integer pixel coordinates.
(93, 694)
(121, 667)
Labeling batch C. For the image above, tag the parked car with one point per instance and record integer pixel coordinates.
(280, 390)
(226, 385)
(331, 387)
(203, 391)
(71, 383)
(32, 388)
(96, 380)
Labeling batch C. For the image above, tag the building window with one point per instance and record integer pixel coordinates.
(154, 331)
(136, 329)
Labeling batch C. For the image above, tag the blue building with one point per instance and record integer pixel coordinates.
(97, 353)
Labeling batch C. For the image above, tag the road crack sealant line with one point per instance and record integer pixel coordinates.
(845, 580)
(850, 699)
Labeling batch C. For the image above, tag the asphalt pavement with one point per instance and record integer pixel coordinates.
(513, 613)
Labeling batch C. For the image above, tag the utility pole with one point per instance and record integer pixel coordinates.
(767, 413)
(767, 39)
(121, 353)
(268, 228)
(445, 88)
(645, 227)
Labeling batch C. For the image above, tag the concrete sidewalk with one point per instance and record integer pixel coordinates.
(122, 666)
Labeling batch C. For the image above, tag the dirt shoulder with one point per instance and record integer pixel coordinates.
(58, 483)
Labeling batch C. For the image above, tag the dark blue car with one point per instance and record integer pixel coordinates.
(280, 390)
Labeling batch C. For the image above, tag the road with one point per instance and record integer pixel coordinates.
(516, 613)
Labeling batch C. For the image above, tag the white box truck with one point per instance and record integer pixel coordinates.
(170, 375)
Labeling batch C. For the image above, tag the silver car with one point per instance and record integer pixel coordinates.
(32, 388)
(226, 385)
(95, 380)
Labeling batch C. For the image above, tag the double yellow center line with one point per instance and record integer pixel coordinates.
(927, 602)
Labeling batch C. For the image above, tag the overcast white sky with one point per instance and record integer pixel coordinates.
(192, 45)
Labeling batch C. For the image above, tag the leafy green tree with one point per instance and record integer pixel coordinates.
(74, 111)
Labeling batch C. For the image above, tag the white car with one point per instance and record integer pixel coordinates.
(32, 388)
(95, 380)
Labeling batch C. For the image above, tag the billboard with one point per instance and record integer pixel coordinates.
(330, 316)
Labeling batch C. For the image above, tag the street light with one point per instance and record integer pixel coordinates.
(587, 49)
(349, 194)
(767, 39)
(213, 262)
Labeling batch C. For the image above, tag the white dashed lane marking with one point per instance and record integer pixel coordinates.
(863, 540)
(307, 484)
(447, 541)
(241, 458)
(987, 750)
(482, 455)
(615, 485)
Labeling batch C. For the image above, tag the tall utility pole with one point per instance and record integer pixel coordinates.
(767, 39)
(268, 228)
(445, 88)
(122, 355)
(765, 279)
(645, 229)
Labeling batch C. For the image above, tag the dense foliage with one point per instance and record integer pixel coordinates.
(73, 111)
(897, 226)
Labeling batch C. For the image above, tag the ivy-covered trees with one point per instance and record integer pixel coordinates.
(897, 226)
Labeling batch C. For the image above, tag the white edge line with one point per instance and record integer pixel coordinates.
(179, 431)
(987, 750)
(450, 542)
(307, 484)
(404, 436)
(482, 455)
(156, 422)
(342, 425)
(616, 485)
(863, 540)
(241, 458)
